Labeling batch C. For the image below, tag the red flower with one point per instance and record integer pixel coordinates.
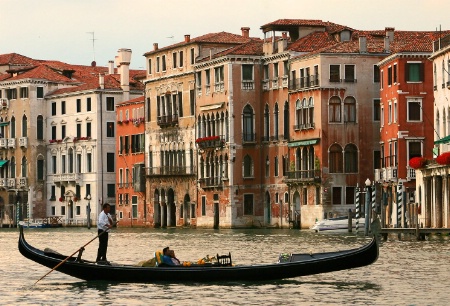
(60, 199)
(443, 159)
(417, 162)
(75, 199)
(209, 138)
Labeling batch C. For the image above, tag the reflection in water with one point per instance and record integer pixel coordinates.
(407, 272)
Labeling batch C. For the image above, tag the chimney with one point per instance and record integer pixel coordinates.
(284, 35)
(155, 46)
(245, 32)
(386, 44)
(110, 67)
(101, 80)
(124, 59)
(187, 38)
(362, 44)
(390, 33)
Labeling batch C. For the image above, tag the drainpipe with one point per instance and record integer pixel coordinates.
(101, 145)
(232, 143)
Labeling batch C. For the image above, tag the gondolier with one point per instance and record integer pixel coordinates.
(104, 224)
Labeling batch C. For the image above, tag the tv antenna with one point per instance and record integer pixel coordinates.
(93, 43)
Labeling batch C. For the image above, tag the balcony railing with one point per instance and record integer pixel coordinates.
(4, 103)
(12, 143)
(410, 173)
(3, 143)
(304, 82)
(248, 85)
(169, 170)
(3, 182)
(304, 175)
(210, 182)
(23, 142)
(210, 142)
(23, 182)
(169, 120)
(11, 182)
(66, 177)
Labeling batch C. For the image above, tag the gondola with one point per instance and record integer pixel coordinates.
(288, 266)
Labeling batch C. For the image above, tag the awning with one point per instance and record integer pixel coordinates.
(446, 139)
(4, 123)
(303, 143)
(3, 162)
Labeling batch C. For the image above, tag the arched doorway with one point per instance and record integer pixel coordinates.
(268, 210)
(186, 212)
(171, 208)
(296, 210)
(163, 209)
(156, 209)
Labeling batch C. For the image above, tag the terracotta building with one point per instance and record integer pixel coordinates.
(130, 146)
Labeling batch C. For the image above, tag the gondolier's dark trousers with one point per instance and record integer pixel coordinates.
(102, 246)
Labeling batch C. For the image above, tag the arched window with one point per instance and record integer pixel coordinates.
(311, 112)
(298, 113)
(12, 167)
(286, 120)
(350, 109)
(12, 127)
(304, 113)
(24, 167)
(275, 121)
(248, 166)
(351, 158)
(266, 123)
(267, 166)
(248, 133)
(71, 160)
(40, 128)
(334, 112)
(335, 163)
(24, 126)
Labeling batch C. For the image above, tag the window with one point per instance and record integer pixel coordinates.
(78, 210)
(134, 203)
(163, 62)
(53, 193)
(110, 190)
(337, 195)
(276, 166)
(192, 101)
(192, 56)
(414, 109)
(351, 158)
(275, 71)
(24, 92)
(376, 110)
(110, 129)
(248, 128)
(335, 73)
(181, 59)
(24, 126)
(88, 105)
(40, 169)
(395, 110)
(53, 164)
(275, 121)
(149, 66)
(349, 109)
(12, 127)
(53, 108)
(218, 78)
(78, 163)
(414, 72)
(414, 149)
(376, 74)
(349, 195)
(89, 162)
(377, 159)
(248, 167)
(335, 163)
(78, 105)
(390, 75)
(88, 129)
(266, 72)
(40, 92)
(63, 131)
(110, 162)
(78, 130)
(335, 109)
(40, 128)
(157, 64)
(247, 77)
(88, 189)
(63, 163)
(349, 71)
(174, 60)
(267, 166)
(63, 107)
(394, 71)
(203, 205)
(110, 104)
(11, 93)
(248, 204)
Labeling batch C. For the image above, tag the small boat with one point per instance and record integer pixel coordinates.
(288, 266)
(31, 224)
(337, 224)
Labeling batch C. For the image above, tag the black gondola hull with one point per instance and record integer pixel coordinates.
(300, 265)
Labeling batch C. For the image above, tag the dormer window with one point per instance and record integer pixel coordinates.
(345, 35)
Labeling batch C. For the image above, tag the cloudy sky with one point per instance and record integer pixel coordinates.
(62, 29)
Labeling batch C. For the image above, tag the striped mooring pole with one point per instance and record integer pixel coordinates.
(399, 203)
(374, 208)
(357, 209)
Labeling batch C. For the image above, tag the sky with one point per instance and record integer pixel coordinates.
(80, 31)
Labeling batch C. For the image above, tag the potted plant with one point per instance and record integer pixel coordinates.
(443, 159)
(417, 162)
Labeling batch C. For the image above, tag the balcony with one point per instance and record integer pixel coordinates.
(285, 81)
(219, 87)
(23, 142)
(12, 143)
(23, 182)
(169, 120)
(306, 82)
(11, 182)
(3, 143)
(169, 171)
(66, 177)
(275, 83)
(248, 85)
(3, 182)
(265, 85)
(211, 182)
(303, 176)
(410, 173)
(210, 142)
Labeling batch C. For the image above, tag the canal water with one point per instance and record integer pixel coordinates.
(408, 272)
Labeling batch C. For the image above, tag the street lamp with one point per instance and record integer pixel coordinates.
(88, 211)
(367, 207)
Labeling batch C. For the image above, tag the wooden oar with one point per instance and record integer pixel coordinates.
(69, 257)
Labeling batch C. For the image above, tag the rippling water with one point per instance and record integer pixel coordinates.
(407, 272)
